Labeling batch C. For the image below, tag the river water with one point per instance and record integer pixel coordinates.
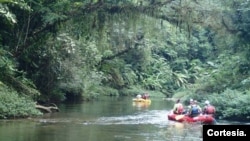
(107, 119)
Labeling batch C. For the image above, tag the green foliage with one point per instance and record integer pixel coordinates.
(131, 91)
(6, 13)
(157, 74)
(230, 104)
(4, 10)
(184, 95)
(215, 78)
(91, 83)
(14, 78)
(7, 65)
(236, 109)
(54, 12)
(114, 71)
(14, 106)
(107, 91)
(68, 49)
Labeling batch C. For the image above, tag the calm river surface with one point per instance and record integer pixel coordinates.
(107, 119)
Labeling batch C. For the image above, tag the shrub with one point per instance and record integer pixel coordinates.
(14, 106)
(232, 105)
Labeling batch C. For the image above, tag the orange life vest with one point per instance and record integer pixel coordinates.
(210, 109)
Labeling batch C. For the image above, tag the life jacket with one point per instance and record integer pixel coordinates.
(145, 96)
(210, 109)
(194, 110)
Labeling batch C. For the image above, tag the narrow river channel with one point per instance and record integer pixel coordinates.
(107, 119)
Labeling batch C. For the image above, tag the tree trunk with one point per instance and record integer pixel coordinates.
(48, 109)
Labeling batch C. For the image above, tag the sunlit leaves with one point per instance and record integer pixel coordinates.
(180, 79)
(7, 13)
(68, 44)
(4, 10)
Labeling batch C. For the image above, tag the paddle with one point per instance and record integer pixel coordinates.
(178, 117)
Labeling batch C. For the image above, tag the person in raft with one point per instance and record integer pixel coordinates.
(138, 96)
(178, 108)
(208, 109)
(145, 96)
(191, 102)
(194, 109)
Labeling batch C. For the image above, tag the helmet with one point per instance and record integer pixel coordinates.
(191, 101)
(207, 102)
(138, 96)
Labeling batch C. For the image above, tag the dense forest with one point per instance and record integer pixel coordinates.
(53, 51)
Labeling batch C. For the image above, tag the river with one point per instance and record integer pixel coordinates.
(106, 119)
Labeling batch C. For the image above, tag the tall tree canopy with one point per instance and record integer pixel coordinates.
(59, 50)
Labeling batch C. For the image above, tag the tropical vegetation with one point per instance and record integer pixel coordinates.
(65, 50)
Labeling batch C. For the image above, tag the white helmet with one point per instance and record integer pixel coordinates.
(207, 102)
(138, 96)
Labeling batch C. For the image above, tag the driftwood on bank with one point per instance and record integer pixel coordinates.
(48, 109)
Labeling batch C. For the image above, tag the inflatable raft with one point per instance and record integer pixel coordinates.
(142, 100)
(204, 119)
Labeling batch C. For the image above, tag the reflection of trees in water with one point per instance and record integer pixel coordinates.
(184, 132)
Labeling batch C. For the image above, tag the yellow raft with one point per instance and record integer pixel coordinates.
(141, 103)
(142, 100)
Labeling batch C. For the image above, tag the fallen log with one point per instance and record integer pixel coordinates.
(47, 109)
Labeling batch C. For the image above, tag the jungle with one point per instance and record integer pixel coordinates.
(52, 51)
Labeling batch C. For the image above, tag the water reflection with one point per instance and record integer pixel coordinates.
(184, 132)
(141, 105)
(155, 117)
(106, 120)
